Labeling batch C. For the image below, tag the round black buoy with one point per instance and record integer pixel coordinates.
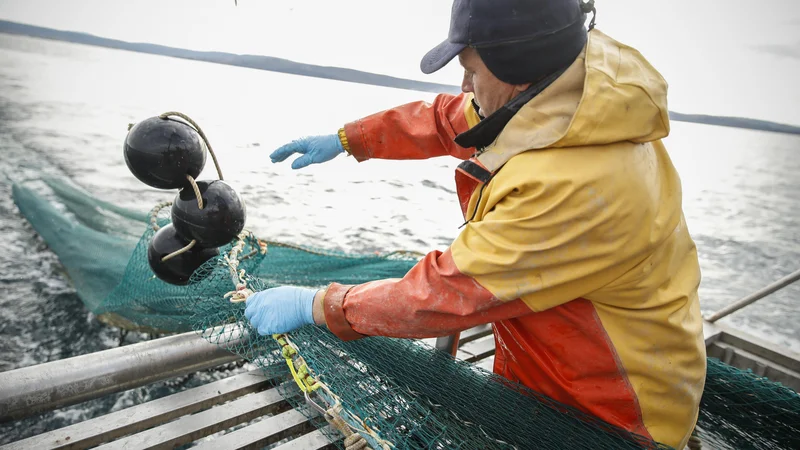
(221, 219)
(178, 269)
(161, 152)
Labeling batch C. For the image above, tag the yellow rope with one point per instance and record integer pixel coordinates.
(300, 372)
(308, 383)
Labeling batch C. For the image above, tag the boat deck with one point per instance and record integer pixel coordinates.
(244, 411)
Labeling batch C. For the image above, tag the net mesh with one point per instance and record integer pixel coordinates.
(391, 390)
(742, 410)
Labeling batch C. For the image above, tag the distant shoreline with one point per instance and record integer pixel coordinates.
(333, 73)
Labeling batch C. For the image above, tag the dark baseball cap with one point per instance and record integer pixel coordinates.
(518, 40)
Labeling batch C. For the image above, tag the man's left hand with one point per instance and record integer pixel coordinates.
(280, 310)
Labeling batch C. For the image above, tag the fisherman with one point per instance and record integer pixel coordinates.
(575, 246)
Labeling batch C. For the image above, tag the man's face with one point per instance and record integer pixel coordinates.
(490, 93)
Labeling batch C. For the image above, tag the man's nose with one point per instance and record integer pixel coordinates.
(466, 84)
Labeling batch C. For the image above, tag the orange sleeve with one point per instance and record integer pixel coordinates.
(417, 130)
(433, 299)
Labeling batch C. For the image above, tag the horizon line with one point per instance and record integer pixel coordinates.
(282, 65)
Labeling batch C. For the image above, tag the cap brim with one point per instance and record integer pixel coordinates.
(439, 56)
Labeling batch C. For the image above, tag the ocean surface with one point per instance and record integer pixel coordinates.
(64, 111)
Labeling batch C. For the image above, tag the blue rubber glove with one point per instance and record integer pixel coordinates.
(315, 150)
(280, 310)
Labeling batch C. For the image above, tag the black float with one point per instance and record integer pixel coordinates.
(167, 153)
(220, 220)
(179, 268)
(161, 152)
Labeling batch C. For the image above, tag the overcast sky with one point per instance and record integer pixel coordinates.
(729, 57)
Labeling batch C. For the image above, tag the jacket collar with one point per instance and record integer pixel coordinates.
(487, 130)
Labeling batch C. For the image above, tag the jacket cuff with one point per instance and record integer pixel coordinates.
(355, 139)
(333, 304)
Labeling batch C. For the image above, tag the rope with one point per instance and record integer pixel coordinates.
(694, 441)
(200, 132)
(179, 251)
(242, 292)
(302, 375)
(238, 277)
(154, 215)
(307, 383)
(155, 227)
(352, 440)
(356, 442)
(196, 191)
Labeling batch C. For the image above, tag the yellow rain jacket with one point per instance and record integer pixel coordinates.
(576, 248)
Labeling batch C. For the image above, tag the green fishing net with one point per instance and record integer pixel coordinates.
(742, 410)
(394, 391)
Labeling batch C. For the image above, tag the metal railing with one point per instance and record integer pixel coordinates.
(755, 296)
(31, 390)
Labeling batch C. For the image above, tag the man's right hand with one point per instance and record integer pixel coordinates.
(315, 150)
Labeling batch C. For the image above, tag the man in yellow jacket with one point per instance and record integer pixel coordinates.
(574, 247)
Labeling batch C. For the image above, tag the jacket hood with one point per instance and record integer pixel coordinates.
(609, 94)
